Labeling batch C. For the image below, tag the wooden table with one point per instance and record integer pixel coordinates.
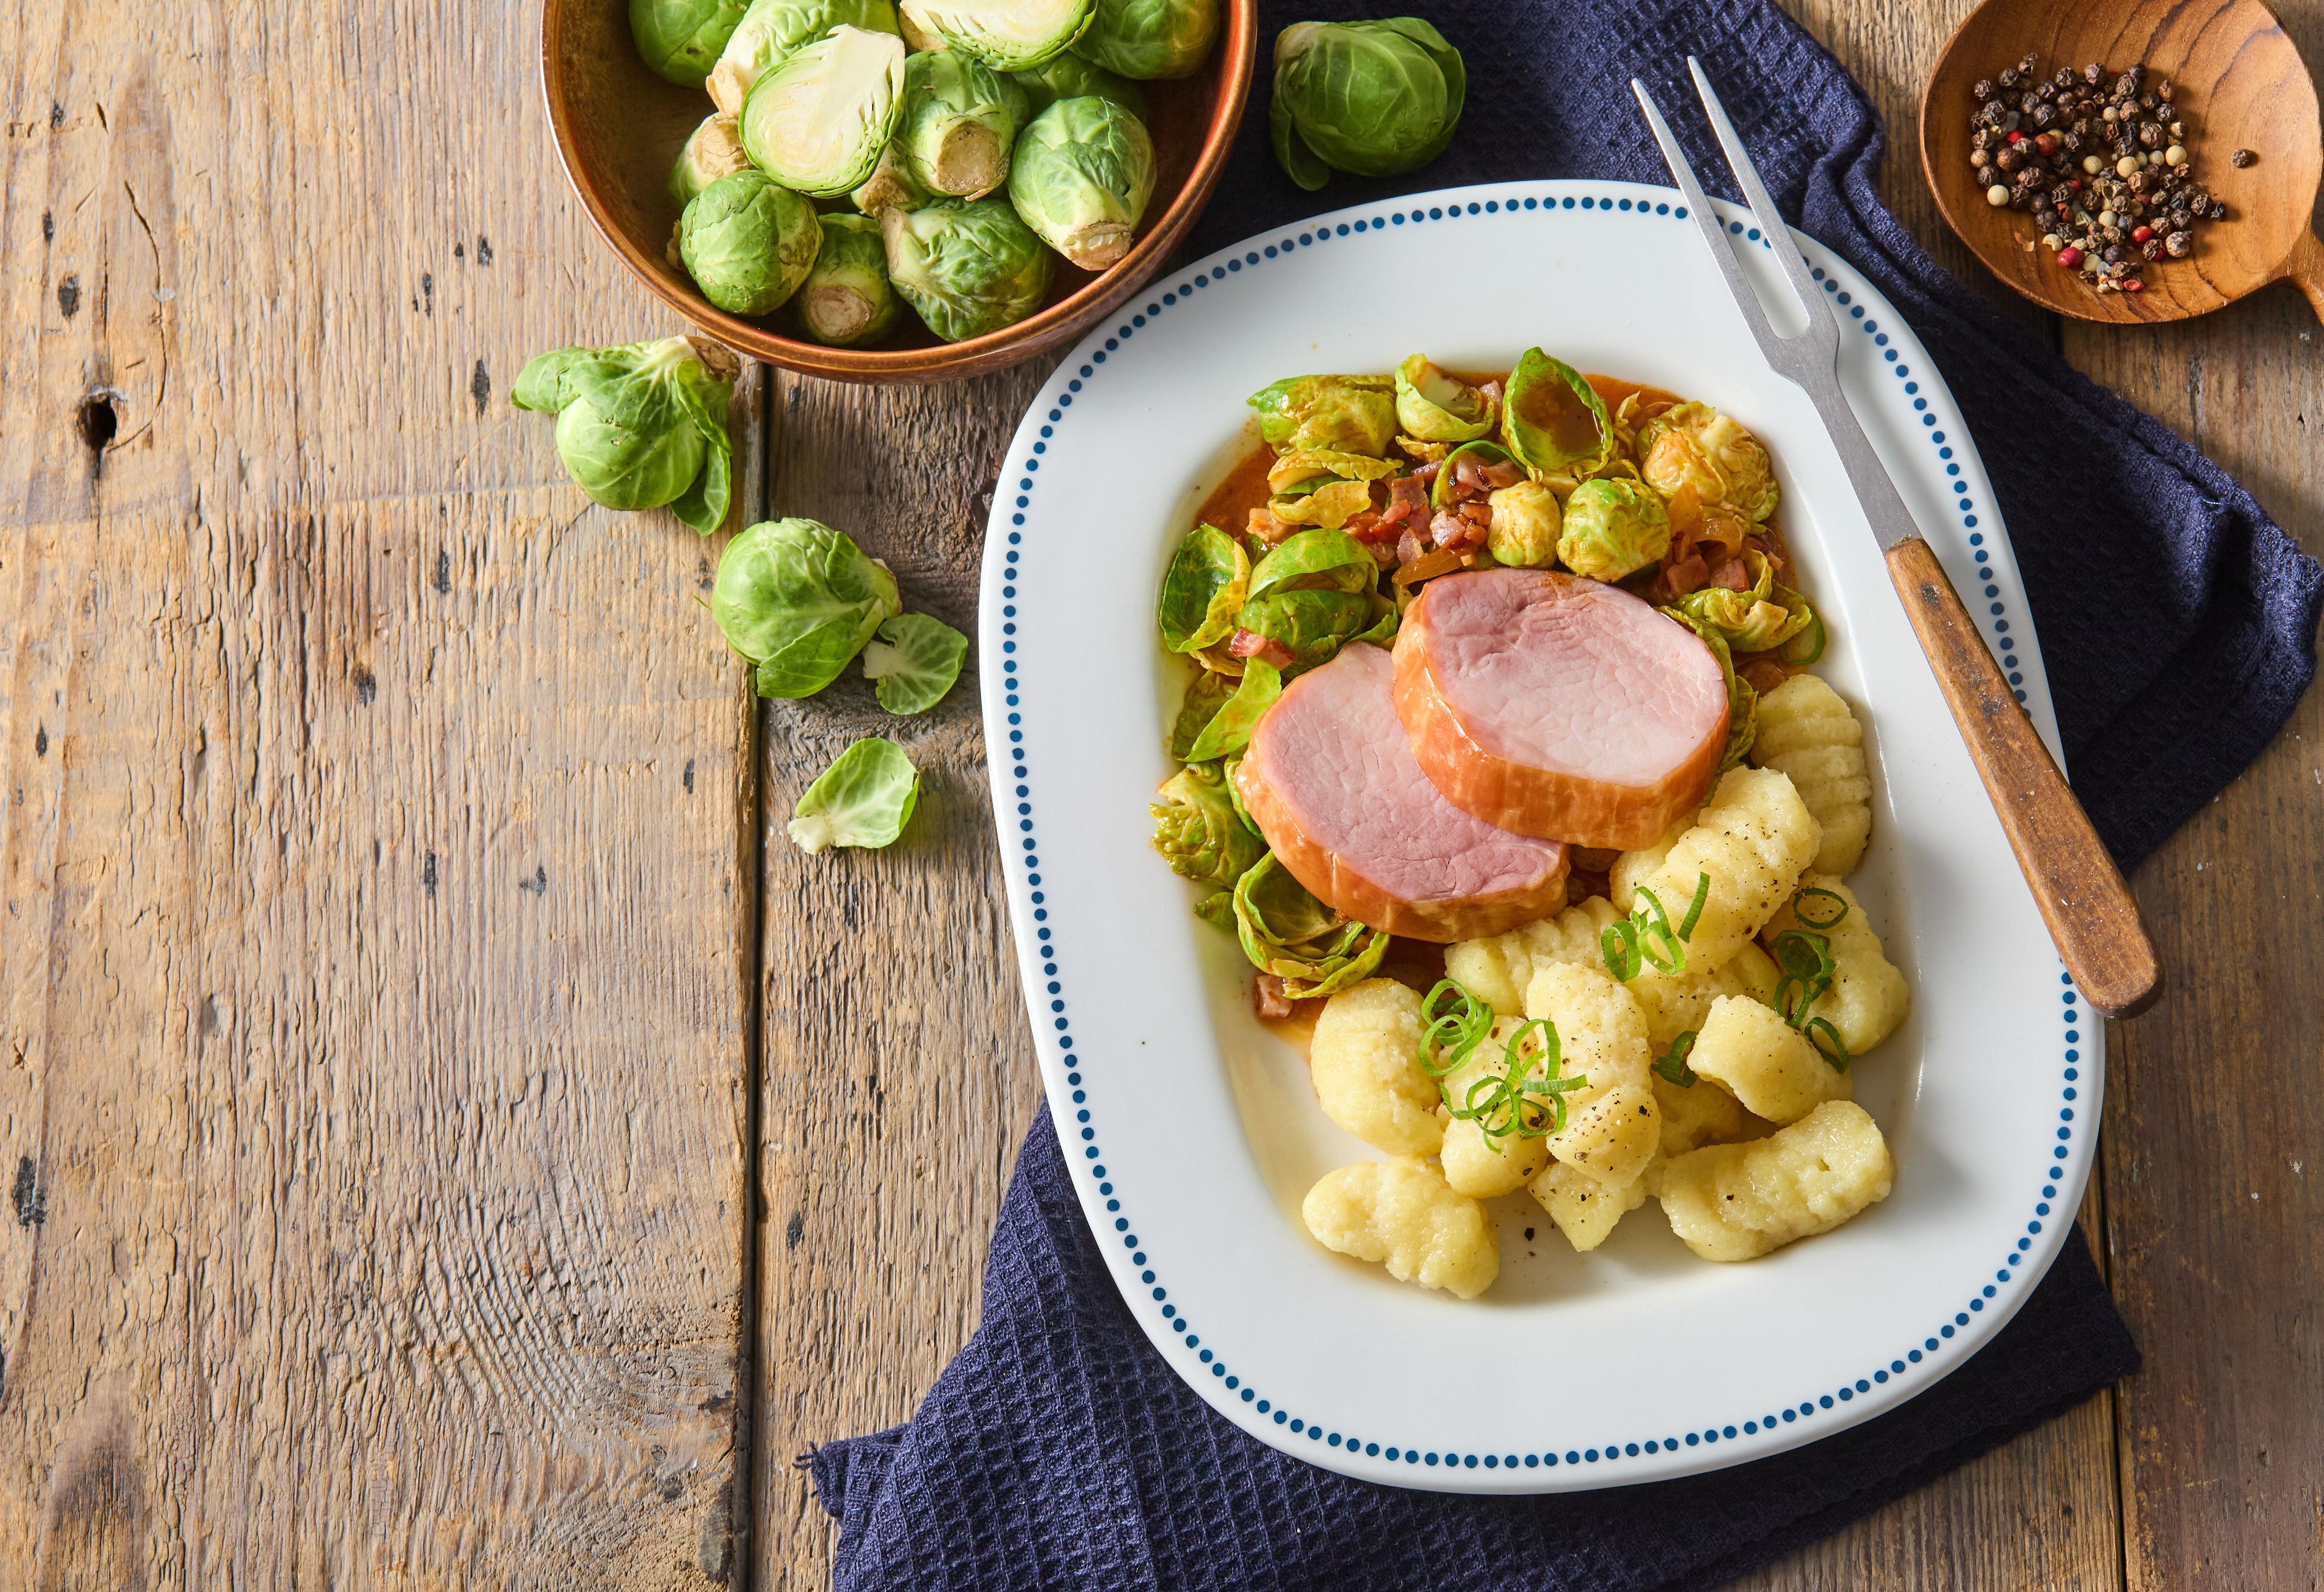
(450, 1139)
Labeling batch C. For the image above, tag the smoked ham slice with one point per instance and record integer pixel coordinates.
(1331, 782)
(1557, 706)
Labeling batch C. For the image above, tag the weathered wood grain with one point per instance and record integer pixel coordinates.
(372, 1037)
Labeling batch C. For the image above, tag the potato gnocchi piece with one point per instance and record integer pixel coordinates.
(1807, 732)
(1676, 1002)
(1868, 998)
(1702, 1113)
(1474, 1163)
(1612, 1126)
(1755, 838)
(1764, 1062)
(1497, 970)
(1585, 1209)
(1365, 1060)
(1403, 1215)
(1740, 1201)
(1633, 868)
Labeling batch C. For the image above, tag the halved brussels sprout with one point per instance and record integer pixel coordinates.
(1288, 933)
(1553, 419)
(1742, 699)
(1228, 730)
(1346, 414)
(681, 40)
(913, 662)
(1199, 830)
(1434, 406)
(1203, 590)
(960, 119)
(1011, 34)
(846, 300)
(1526, 521)
(1085, 170)
(1764, 616)
(1310, 466)
(1612, 528)
(798, 599)
(968, 266)
(748, 242)
(891, 185)
(1150, 38)
(863, 799)
(1206, 693)
(818, 121)
(1471, 466)
(1370, 97)
(1313, 595)
(773, 31)
(1070, 76)
(712, 150)
(641, 425)
(1693, 444)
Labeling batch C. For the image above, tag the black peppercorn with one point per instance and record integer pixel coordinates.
(2147, 102)
(2027, 62)
(1993, 113)
(2150, 135)
(2063, 197)
(1987, 177)
(2071, 141)
(2115, 254)
(2007, 158)
(2045, 114)
(2094, 73)
(2152, 248)
(2164, 90)
(2218, 209)
(2007, 77)
(2063, 77)
(1983, 90)
(2241, 158)
(2179, 244)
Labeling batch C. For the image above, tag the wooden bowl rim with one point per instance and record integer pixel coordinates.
(1051, 325)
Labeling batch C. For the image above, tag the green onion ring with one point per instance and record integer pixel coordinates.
(1799, 907)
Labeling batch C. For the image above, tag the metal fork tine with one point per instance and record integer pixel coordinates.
(1780, 241)
(1706, 220)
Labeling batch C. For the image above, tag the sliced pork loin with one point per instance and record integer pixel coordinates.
(1330, 781)
(1557, 706)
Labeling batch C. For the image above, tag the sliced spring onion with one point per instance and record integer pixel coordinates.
(1672, 1064)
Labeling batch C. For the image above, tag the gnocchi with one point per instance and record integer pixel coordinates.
(1807, 732)
(1702, 1113)
(1497, 970)
(1754, 838)
(1676, 1002)
(1740, 1201)
(1403, 1215)
(1612, 1126)
(1584, 1209)
(1868, 996)
(1475, 1164)
(1764, 1062)
(1365, 1060)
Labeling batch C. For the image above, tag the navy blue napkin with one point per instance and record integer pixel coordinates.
(2177, 627)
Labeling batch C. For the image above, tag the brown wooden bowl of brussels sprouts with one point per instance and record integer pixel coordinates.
(769, 115)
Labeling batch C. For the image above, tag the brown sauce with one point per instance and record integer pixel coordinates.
(1416, 963)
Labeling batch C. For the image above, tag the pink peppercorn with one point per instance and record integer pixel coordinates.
(2132, 285)
(2139, 235)
(2070, 257)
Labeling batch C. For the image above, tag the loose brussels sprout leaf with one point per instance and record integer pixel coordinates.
(890, 186)
(1070, 76)
(1288, 933)
(773, 31)
(1434, 406)
(1013, 35)
(959, 121)
(748, 243)
(818, 121)
(913, 662)
(1370, 97)
(1612, 528)
(1553, 419)
(1742, 701)
(681, 40)
(1206, 693)
(968, 266)
(1311, 625)
(1203, 589)
(846, 300)
(863, 799)
(1526, 519)
(1332, 503)
(1217, 909)
(641, 425)
(1693, 444)
(1084, 173)
(1312, 466)
(1150, 38)
(712, 150)
(1229, 730)
(799, 599)
(1199, 830)
(1327, 559)
(1484, 454)
(1343, 414)
(1764, 616)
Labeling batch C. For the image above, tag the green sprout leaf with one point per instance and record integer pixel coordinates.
(1203, 590)
(1288, 933)
(1229, 730)
(914, 662)
(863, 799)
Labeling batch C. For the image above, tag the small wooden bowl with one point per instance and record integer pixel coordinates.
(619, 127)
(2238, 83)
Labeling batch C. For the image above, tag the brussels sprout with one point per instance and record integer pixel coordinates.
(1316, 592)
(1612, 528)
(1199, 830)
(1085, 170)
(798, 599)
(1228, 730)
(913, 662)
(1693, 444)
(863, 799)
(1764, 616)
(1309, 467)
(891, 185)
(1553, 419)
(1329, 560)
(959, 119)
(1345, 414)
(1434, 406)
(680, 40)
(1206, 694)
(773, 31)
(641, 425)
(1203, 590)
(1150, 38)
(1471, 466)
(845, 301)
(1527, 520)
(1742, 700)
(1011, 34)
(1070, 76)
(712, 150)
(969, 266)
(1370, 97)
(1288, 933)
(748, 243)
(819, 122)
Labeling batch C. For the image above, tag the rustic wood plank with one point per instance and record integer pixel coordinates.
(373, 1040)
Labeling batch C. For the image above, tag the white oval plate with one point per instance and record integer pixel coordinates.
(1192, 1131)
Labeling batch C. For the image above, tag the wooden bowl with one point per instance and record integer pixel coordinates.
(619, 127)
(2239, 84)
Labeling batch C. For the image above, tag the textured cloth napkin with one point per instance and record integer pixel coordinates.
(2178, 627)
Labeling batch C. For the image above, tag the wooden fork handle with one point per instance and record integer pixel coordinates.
(2079, 890)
